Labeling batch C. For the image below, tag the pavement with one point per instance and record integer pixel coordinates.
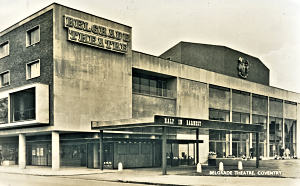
(182, 175)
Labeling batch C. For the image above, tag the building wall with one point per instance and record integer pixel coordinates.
(192, 99)
(290, 111)
(148, 106)
(219, 98)
(90, 84)
(159, 65)
(20, 54)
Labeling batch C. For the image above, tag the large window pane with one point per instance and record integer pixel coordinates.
(150, 85)
(221, 115)
(23, 104)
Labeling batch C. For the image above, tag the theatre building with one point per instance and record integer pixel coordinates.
(74, 93)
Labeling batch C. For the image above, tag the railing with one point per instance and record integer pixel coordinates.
(24, 114)
(148, 90)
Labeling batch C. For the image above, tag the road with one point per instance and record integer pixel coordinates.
(7, 179)
(30, 180)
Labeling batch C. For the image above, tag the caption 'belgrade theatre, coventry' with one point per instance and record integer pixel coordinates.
(74, 93)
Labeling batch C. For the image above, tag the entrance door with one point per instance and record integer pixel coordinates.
(41, 154)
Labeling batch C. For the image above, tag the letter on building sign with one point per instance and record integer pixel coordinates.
(169, 121)
(89, 33)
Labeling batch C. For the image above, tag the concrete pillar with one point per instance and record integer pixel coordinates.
(164, 151)
(257, 150)
(251, 122)
(101, 149)
(197, 146)
(230, 119)
(283, 121)
(268, 129)
(227, 144)
(22, 151)
(247, 147)
(250, 140)
(55, 151)
(96, 156)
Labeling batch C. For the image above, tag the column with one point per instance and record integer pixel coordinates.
(101, 149)
(257, 150)
(95, 155)
(268, 128)
(247, 147)
(250, 140)
(164, 150)
(230, 119)
(22, 151)
(251, 122)
(227, 144)
(197, 146)
(55, 151)
(283, 130)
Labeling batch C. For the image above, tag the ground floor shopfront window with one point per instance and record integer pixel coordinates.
(290, 136)
(275, 136)
(262, 145)
(218, 143)
(240, 144)
(73, 154)
(9, 153)
(39, 153)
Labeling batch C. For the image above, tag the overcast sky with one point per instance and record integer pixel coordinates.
(267, 29)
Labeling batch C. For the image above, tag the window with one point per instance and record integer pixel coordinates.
(33, 69)
(3, 110)
(33, 36)
(240, 117)
(4, 49)
(275, 135)
(23, 105)
(150, 85)
(4, 79)
(221, 115)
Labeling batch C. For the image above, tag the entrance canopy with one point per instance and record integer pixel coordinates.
(176, 122)
(163, 122)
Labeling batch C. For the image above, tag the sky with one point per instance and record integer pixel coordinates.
(267, 29)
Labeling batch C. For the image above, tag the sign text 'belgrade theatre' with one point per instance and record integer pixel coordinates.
(89, 33)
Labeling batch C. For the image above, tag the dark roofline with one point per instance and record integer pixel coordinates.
(57, 4)
(221, 46)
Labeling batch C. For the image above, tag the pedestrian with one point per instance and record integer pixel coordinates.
(281, 151)
(287, 153)
(251, 152)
